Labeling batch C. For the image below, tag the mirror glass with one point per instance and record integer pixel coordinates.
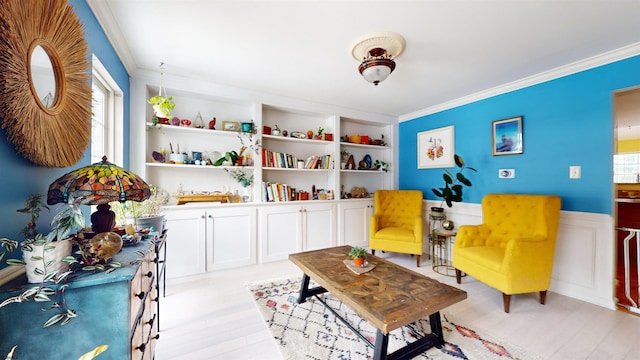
(43, 77)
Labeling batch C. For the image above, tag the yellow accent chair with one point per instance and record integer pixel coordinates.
(396, 224)
(512, 250)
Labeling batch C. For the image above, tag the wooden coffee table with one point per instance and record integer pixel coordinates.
(389, 296)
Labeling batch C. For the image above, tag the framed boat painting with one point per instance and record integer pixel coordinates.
(507, 136)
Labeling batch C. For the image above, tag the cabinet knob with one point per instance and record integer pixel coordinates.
(156, 337)
(201, 216)
(140, 295)
(210, 216)
(152, 320)
(149, 274)
(142, 347)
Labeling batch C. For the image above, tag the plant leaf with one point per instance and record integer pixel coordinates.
(41, 298)
(15, 262)
(53, 320)
(49, 276)
(459, 161)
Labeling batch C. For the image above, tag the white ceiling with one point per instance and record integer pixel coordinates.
(301, 49)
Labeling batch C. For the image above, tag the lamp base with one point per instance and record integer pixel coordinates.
(103, 220)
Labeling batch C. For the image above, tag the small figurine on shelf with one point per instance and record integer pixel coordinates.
(198, 123)
(212, 124)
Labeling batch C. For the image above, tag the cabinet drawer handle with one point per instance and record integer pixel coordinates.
(201, 216)
(156, 337)
(142, 347)
(140, 295)
(149, 274)
(152, 320)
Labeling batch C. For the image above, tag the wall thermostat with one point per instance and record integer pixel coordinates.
(506, 173)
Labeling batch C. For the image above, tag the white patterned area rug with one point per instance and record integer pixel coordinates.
(310, 331)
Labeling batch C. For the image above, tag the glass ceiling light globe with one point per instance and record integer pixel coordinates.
(377, 66)
(376, 53)
(376, 74)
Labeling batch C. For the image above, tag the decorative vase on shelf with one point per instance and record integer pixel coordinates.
(246, 194)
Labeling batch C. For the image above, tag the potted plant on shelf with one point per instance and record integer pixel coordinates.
(381, 165)
(244, 180)
(358, 255)
(453, 184)
(162, 107)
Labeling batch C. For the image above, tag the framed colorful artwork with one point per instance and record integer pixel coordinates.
(507, 136)
(436, 148)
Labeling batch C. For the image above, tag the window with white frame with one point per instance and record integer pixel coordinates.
(107, 125)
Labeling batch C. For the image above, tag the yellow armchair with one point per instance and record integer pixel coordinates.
(513, 249)
(396, 224)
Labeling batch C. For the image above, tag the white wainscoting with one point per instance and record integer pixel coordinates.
(585, 252)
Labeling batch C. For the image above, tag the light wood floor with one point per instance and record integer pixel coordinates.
(214, 317)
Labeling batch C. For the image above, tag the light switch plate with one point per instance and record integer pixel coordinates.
(574, 172)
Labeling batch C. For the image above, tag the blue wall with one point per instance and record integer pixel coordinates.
(566, 121)
(20, 177)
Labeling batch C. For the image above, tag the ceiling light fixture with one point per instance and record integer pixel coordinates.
(377, 51)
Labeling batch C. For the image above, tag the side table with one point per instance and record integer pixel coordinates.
(441, 247)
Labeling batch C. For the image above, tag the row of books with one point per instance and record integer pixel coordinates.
(276, 159)
(276, 192)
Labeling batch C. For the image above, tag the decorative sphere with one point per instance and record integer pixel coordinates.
(106, 244)
(448, 225)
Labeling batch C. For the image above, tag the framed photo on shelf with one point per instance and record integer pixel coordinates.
(507, 136)
(230, 126)
(436, 148)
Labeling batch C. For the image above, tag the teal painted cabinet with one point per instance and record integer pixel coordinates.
(119, 309)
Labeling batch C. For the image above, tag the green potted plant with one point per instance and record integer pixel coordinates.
(145, 214)
(381, 165)
(358, 255)
(230, 156)
(244, 180)
(453, 184)
(46, 258)
(162, 106)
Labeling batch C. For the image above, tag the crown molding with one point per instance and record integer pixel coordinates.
(107, 21)
(572, 68)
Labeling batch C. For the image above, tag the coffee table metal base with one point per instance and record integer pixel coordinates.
(411, 350)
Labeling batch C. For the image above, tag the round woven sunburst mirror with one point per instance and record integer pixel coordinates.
(51, 128)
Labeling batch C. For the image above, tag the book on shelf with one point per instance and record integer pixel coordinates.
(274, 159)
(277, 192)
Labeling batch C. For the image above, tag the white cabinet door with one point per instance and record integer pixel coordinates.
(318, 226)
(355, 216)
(231, 237)
(185, 242)
(279, 231)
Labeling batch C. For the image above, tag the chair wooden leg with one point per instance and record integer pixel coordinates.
(458, 276)
(506, 299)
(543, 297)
(417, 260)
